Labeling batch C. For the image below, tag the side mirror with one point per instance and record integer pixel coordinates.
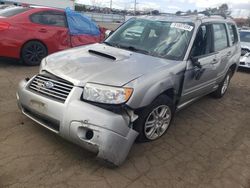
(108, 33)
(198, 70)
(195, 62)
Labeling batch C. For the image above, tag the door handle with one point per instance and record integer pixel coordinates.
(43, 30)
(229, 53)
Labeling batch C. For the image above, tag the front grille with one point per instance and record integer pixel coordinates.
(242, 63)
(56, 89)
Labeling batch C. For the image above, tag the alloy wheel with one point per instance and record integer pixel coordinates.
(34, 53)
(157, 122)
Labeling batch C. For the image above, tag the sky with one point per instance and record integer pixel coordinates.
(238, 6)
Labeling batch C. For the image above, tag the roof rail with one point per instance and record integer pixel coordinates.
(219, 14)
(205, 13)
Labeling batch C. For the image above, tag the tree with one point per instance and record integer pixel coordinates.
(155, 12)
(223, 9)
(80, 8)
(187, 12)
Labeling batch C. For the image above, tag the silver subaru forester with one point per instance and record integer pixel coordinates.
(105, 96)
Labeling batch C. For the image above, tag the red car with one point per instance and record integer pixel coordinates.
(31, 33)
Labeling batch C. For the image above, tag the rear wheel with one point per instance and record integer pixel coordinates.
(223, 86)
(33, 52)
(154, 120)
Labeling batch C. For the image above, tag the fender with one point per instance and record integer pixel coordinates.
(148, 88)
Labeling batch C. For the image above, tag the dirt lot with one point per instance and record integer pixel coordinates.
(208, 145)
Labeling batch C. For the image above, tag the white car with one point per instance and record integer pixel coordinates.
(245, 48)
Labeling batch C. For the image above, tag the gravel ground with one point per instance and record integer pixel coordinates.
(208, 145)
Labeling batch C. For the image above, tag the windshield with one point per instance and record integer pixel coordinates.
(244, 36)
(156, 38)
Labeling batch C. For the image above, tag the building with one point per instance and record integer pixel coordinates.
(49, 3)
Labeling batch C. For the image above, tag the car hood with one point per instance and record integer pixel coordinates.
(99, 63)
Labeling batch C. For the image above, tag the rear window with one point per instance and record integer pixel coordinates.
(52, 18)
(13, 11)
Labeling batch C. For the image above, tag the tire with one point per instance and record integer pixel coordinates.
(153, 122)
(223, 86)
(33, 52)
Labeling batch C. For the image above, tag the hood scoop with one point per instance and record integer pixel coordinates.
(102, 54)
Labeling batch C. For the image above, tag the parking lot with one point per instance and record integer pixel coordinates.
(208, 145)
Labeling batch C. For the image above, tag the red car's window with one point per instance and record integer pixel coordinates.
(13, 11)
(52, 18)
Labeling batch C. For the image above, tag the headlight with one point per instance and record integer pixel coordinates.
(106, 94)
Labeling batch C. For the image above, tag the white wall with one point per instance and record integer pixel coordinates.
(50, 3)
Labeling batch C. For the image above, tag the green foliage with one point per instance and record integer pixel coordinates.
(223, 9)
(80, 8)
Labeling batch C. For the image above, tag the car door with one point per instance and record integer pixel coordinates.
(51, 27)
(200, 75)
(224, 51)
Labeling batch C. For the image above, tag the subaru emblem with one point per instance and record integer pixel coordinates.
(48, 85)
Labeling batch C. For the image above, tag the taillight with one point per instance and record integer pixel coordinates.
(4, 26)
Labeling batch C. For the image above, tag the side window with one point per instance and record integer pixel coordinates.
(52, 18)
(233, 34)
(202, 43)
(220, 37)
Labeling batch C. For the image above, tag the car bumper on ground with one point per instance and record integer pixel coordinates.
(96, 129)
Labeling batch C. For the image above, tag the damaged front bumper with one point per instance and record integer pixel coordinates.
(245, 61)
(101, 131)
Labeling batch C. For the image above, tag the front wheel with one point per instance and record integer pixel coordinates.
(154, 120)
(223, 86)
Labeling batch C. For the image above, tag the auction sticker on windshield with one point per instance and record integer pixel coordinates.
(182, 26)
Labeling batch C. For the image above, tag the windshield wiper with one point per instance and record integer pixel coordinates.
(132, 48)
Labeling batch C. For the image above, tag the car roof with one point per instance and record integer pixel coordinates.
(26, 10)
(188, 18)
(31, 7)
(167, 18)
(44, 7)
(2, 5)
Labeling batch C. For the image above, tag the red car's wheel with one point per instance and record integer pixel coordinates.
(33, 52)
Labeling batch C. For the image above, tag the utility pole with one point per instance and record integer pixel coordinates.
(135, 7)
(111, 4)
